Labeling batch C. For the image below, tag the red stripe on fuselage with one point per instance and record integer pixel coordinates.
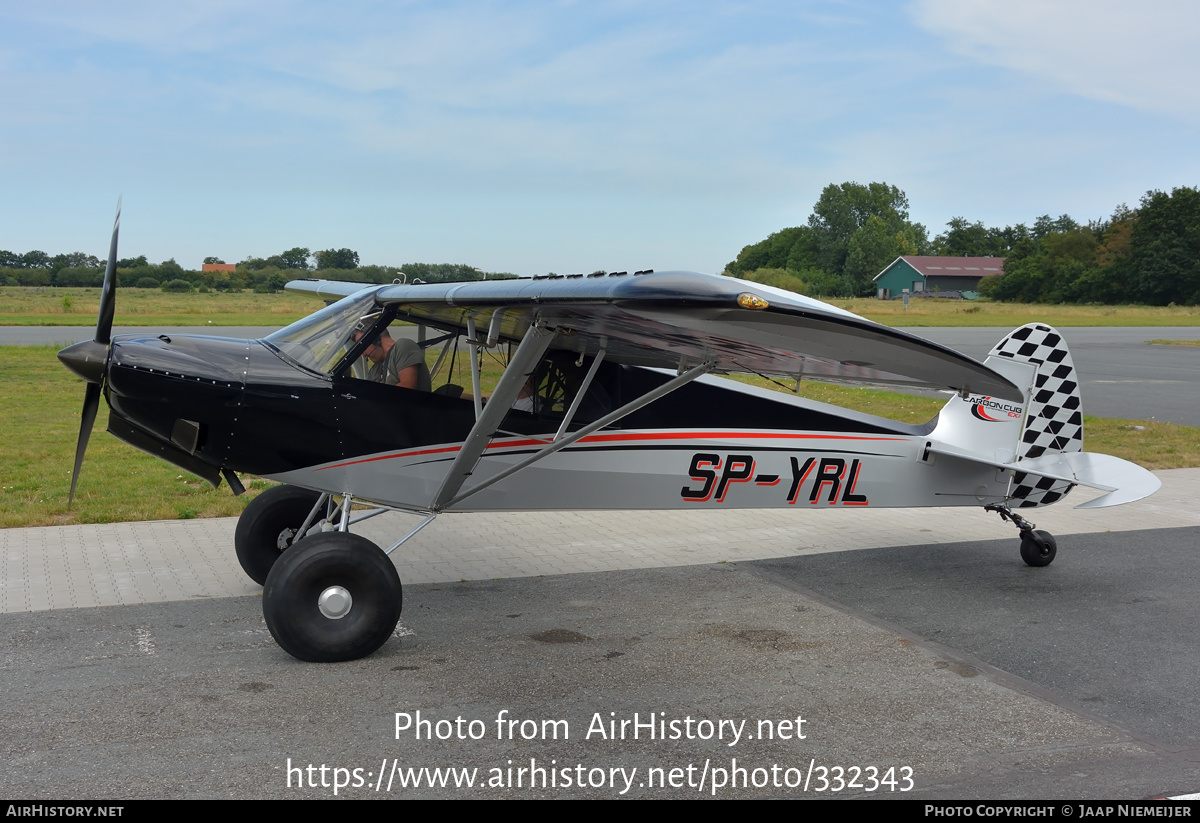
(619, 438)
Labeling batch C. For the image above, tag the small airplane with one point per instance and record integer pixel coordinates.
(610, 398)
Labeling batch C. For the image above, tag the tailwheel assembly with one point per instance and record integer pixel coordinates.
(1038, 547)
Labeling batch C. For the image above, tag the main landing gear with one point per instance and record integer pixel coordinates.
(269, 525)
(328, 595)
(1038, 547)
(333, 596)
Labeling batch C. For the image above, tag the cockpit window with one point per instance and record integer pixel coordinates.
(320, 340)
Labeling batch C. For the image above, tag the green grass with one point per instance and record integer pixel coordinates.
(1175, 342)
(32, 306)
(906, 408)
(1149, 444)
(40, 403)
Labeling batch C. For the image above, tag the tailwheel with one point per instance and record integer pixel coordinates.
(269, 525)
(1038, 547)
(333, 596)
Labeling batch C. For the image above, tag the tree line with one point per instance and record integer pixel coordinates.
(1150, 254)
(260, 274)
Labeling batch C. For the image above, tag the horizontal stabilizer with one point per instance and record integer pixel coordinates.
(1124, 481)
(1130, 480)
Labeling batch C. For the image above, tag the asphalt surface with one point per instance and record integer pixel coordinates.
(1122, 375)
(986, 678)
(1110, 625)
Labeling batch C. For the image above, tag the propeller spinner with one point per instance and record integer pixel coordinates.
(89, 358)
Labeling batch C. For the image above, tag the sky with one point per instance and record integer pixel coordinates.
(572, 136)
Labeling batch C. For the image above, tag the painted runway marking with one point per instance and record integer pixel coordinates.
(144, 640)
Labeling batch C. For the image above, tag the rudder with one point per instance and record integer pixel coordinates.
(1054, 417)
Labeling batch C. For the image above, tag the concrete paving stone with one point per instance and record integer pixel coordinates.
(166, 560)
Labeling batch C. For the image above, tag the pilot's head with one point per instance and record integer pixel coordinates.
(378, 349)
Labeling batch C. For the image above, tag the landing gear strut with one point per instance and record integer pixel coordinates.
(269, 525)
(328, 595)
(1038, 547)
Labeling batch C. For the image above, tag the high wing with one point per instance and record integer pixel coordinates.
(680, 319)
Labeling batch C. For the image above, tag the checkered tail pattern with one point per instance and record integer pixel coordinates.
(1054, 418)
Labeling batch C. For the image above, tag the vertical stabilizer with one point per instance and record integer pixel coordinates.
(988, 427)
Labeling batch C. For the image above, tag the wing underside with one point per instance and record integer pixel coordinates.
(680, 319)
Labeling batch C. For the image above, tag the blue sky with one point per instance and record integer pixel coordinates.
(571, 136)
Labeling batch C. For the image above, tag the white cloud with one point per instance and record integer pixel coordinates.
(1141, 55)
(614, 123)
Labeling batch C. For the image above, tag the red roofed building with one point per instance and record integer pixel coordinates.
(219, 267)
(936, 274)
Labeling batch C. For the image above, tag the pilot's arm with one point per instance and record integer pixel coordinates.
(408, 378)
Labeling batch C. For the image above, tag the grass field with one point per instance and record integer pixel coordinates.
(40, 403)
(31, 306)
(152, 307)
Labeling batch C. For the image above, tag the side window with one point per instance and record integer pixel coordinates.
(392, 356)
(320, 341)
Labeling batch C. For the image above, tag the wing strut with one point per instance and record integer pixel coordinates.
(523, 362)
(611, 417)
(473, 346)
(587, 382)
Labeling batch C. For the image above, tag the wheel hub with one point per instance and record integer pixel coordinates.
(285, 539)
(335, 602)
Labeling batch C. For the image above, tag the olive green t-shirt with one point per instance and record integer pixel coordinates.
(404, 353)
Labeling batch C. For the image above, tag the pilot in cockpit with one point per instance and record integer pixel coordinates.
(396, 362)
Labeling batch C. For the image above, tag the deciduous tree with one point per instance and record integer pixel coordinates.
(336, 259)
(1165, 247)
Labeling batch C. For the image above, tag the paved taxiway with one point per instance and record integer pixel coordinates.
(1121, 374)
(897, 636)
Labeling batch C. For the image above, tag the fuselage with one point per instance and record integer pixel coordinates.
(209, 404)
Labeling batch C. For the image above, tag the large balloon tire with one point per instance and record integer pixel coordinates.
(1038, 548)
(268, 527)
(332, 561)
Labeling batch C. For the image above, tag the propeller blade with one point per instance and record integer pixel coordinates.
(88, 360)
(108, 295)
(91, 402)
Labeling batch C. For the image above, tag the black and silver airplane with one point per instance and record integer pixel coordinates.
(610, 398)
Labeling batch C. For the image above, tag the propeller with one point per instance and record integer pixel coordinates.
(89, 358)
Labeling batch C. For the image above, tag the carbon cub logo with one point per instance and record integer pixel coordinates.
(993, 410)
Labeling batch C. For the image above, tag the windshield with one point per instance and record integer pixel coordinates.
(320, 340)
